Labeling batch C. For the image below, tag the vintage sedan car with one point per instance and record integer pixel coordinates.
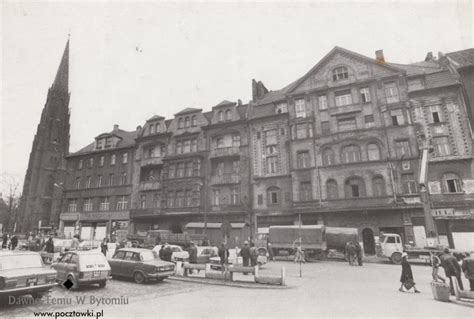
(179, 254)
(82, 267)
(205, 253)
(140, 264)
(23, 273)
(90, 245)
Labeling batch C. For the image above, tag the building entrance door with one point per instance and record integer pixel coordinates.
(368, 241)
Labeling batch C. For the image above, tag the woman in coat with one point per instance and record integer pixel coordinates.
(407, 276)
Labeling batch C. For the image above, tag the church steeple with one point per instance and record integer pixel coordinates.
(61, 82)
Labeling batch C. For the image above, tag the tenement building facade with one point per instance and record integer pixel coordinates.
(340, 146)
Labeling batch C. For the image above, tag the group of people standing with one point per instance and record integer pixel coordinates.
(10, 242)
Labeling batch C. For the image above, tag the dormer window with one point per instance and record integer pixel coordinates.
(108, 142)
(180, 123)
(228, 115)
(187, 122)
(281, 108)
(220, 116)
(152, 129)
(99, 144)
(193, 120)
(340, 73)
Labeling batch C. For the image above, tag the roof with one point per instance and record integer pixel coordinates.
(440, 79)
(127, 139)
(188, 110)
(225, 102)
(213, 225)
(418, 68)
(155, 117)
(463, 57)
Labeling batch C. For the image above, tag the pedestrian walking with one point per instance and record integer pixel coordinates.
(223, 253)
(299, 254)
(14, 242)
(435, 264)
(358, 251)
(193, 252)
(4, 240)
(451, 269)
(104, 246)
(245, 253)
(75, 242)
(161, 251)
(253, 254)
(49, 245)
(406, 278)
(270, 252)
(167, 253)
(468, 269)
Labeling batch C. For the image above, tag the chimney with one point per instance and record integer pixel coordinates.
(254, 90)
(443, 60)
(116, 127)
(429, 57)
(139, 127)
(239, 102)
(379, 56)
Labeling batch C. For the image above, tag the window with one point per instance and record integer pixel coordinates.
(452, 183)
(236, 167)
(354, 188)
(378, 186)
(189, 169)
(122, 203)
(111, 180)
(323, 102)
(187, 146)
(180, 170)
(282, 108)
(340, 73)
(365, 95)
(180, 123)
(108, 142)
(228, 115)
(397, 117)
(408, 183)
(273, 195)
(347, 124)
(373, 152)
(101, 161)
(193, 120)
(78, 182)
(125, 158)
(158, 128)
(282, 131)
(391, 92)
(104, 204)
(325, 127)
(152, 129)
(305, 191)
(219, 169)
(442, 147)
(187, 122)
(260, 199)
(179, 198)
(328, 157)
(258, 135)
(143, 201)
(215, 197)
(220, 116)
(194, 145)
(304, 130)
(300, 108)
(72, 205)
(88, 205)
(220, 142)
(350, 154)
(112, 159)
(88, 182)
(91, 162)
(402, 149)
(331, 186)
(272, 149)
(369, 121)
(123, 179)
(272, 164)
(79, 164)
(188, 196)
(235, 196)
(271, 137)
(303, 159)
(171, 171)
(179, 147)
(235, 140)
(99, 180)
(435, 116)
(415, 84)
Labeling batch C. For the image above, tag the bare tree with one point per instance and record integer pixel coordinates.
(10, 199)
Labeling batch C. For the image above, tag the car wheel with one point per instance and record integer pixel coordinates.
(139, 278)
(102, 284)
(75, 284)
(37, 295)
(396, 258)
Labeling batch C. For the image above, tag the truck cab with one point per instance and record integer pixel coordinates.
(392, 247)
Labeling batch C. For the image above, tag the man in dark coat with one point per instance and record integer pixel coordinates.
(49, 245)
(253, 254)
(407, 274)
(451, 268)
(161, 251)
(223, 255)
(193, 252)
(4, 240)
(245, 253)
(468, 269)
(14, 242)
(358, 251)
(167, 253)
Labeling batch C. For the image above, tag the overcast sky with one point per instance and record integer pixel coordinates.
(131, 60)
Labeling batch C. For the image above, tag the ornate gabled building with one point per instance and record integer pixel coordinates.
(40, 202)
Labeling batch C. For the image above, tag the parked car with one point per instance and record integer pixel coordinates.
(179, 254)
(61, 245)
(82, 267)
(23, 273)
(90, 245)
(140, 264)
(234, 258)
(205, 253)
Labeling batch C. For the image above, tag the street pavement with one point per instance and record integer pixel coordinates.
(326, 289)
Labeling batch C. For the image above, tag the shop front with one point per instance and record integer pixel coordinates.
(100, 225)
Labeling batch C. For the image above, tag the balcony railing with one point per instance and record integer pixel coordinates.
(225, 151)
(149, 186)
(225, 179)
(151, 161)
(337, 110)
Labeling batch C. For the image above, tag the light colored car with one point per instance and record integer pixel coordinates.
(82, 267)
(204, 253)
(24, 273)
(178, 253)
(140, 264)
(235, 259)
(61, 245)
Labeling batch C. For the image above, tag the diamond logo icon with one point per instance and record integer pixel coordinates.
(68, 284)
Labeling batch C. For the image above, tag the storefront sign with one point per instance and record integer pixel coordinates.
(450, 212)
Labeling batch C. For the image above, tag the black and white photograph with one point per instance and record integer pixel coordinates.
(237, 159)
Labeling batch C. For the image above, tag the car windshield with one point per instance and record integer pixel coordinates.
(20, 261)
(92, 259)
(148, 255)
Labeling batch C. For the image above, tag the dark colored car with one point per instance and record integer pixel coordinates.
(140, 264)
(23, 273)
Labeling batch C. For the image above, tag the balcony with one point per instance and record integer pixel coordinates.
(151, 161)
(225, 179)
(149, 186)
(351, 108)
(225, 152)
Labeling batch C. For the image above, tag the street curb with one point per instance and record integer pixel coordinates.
(227, 283)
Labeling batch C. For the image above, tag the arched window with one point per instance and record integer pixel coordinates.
(340, 73)
(220, 116)
(378, 186)
(193, 120)
(331, 187)
(328, 157)
(228, 115)
(350, 154)
(157, 127)
(152, 129)
(180, 123)
(373, 152)
(273, 195)
(354, 188)
(452, 183)
(187, 122)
